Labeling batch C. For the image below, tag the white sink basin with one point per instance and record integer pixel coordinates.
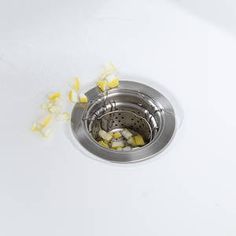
(51, 188)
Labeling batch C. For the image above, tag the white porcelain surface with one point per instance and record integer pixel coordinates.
(49, 188)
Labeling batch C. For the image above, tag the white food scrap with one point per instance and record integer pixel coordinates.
(104, 135)
(126, 134)
(117, 144)
(128, 148)
(108, 78)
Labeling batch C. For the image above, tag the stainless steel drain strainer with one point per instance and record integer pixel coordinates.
(115, 120)
(133, 105)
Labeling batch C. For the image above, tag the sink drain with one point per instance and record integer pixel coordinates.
(140, 108)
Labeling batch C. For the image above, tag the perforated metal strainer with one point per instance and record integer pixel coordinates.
(133, 105)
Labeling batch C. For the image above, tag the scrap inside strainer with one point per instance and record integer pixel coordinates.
(120, 119)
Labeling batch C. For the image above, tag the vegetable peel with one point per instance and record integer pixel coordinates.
(139, 140)
(54, 96)
(102, 84)
(104, 135)
(83, 98)
(103, 144)
(117, 135)
(117, 144)
(72, 96)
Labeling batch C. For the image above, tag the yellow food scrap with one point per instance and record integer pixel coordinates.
(54, 96)
(119, 149)
(73, 97)
(117, 135)
(102, 84)
(40, 126)
(104, 135)
(114, 83)
(83, 98)
(139, 140)
(51, 107)
(103, 144)
(76, 84)
(45, 121)
(35, 127)
(54, 109)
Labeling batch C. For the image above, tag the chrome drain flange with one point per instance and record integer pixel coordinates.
(132, 105)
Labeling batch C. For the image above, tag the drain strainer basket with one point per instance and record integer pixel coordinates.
(135, 106)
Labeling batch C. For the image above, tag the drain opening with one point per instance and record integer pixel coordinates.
(126, 111)
(132, 106)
